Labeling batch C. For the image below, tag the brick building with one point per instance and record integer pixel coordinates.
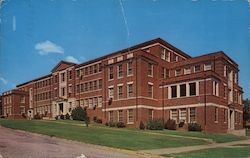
(147, 81)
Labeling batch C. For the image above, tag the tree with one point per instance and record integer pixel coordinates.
(79, 114)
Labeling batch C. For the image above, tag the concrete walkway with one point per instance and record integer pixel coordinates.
(193, 148)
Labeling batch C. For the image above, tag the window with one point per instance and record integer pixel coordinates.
(207, 66)
(163, 51)
(120, 72)
(95, 101)
(150, 114)
(95, 84)
(22, 99)
(100, 84)
(165, 73)
(174, 58)
(216, 113)
(111, 92)
(130, 71)
(70, 88)
(130, 116)
(215, 88)
(90, 69)
(173, 91)
(85, 87)
(183, 115)
(100, 67)
(62, 77)
(111, 116)
(130, 90)
(187, 71)
(70, 74)
(63, 91)
(95, 68)
(192, 115)
(167, 56)
(90, 102)
(173, 114)
(178, 72)
(120, 92)
(120, 116)
(235, 78)
(86, 71)
(150, 69)
(225, 71)
(81, 87)
(111, 73)
(225, 115)
(77, 73)
(99, 101)
(224, 91)
(150, 90)
(183, 90)
(197, 68)
(90, 86)
(192, 89)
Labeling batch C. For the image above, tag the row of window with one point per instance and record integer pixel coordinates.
(43, 96)
(197, 68)
(7, 110)
(43, 83)
(42, 109)
(90, 102)
(89, 70)
(165, 55)
(120, 116)
(120, 71)
(183, 90)
(183, 115)
(89, 86)
(7, 100)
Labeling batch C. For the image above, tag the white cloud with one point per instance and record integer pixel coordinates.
(72, 59)
(44, 48)
(3, 80)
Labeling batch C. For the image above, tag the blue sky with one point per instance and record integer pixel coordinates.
(35, 35)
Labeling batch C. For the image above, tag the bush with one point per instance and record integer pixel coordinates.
(194, 127)
(170, 124)
(94, 118)
(111, 124)
(37, 116)
(62, 117)
(106, 124)
(67, 116)
(79, 114)
(24, 115)
(2, 116)
(57, 117)
(120, 125)
(155, 124)
(98, 120)
(142, 126)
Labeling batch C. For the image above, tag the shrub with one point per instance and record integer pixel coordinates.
(94, 118)
(37, 116)
(61, 116)
(106, 124)
(120, 125)
(170, 124)
(79, 114)
(194, 127)
(111, 124)
(57, 117)
(67, 116)
(98, 120)
(142, 126)
(23, 115)
(181, 124)
(155, 124)
(2, 116)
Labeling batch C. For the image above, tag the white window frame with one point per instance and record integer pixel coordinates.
(128, 116)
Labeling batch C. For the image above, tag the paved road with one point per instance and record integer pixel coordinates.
(20, 144)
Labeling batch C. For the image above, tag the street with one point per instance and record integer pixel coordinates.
(20, 144)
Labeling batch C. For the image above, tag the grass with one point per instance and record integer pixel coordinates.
(100, 135)
(239, 152)
(218, 138)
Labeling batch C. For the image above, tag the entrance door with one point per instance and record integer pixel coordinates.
(231, 119)
(61, 108)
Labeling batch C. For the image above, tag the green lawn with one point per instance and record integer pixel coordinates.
(112, 137)
(234, 152)
(219, 138)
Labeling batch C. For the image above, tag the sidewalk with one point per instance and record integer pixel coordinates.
(193, 148)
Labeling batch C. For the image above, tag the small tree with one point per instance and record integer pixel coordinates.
(142, 126)
(79, 114)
